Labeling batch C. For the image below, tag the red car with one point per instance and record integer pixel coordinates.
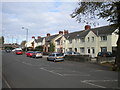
(19, 52)
(29, 53)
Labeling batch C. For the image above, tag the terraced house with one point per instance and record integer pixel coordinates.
(91, 41)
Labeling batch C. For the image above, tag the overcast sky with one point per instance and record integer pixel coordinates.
(39, 18)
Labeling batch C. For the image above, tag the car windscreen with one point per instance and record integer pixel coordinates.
(30, 52)
(59, 54)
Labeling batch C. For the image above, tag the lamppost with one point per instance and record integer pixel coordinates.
(26, 36)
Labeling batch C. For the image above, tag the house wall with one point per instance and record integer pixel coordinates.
(114, 39)
(54, 41)
(28, 44)
(96, 44)
(91, 44)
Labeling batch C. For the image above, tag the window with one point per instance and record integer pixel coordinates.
(70, 41)
(88, 39)
(88, 50)
(64, 41)
(82, 39)
(61, 42)
(103, 49)
(58, 43)
(82, 50)
(93, 39)
(75, 49)
(58, 49)
(76, 40)
(70, 49)
(93, 50)
(103, 38)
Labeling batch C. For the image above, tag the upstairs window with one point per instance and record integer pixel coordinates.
(58, 43)
(70, 41)
(88, 39)
(82, 39)
(103, 38)
(92, 39)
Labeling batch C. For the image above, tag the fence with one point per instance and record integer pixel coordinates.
(79, 58)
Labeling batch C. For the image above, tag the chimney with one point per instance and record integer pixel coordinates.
(87, 27)
(60, 32)
(66, 32)
(33, 37)
(39, 37)
(48, 34)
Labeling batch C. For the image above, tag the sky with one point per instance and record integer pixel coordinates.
(39, 18)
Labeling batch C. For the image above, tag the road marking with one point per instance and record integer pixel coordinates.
(75, 75)
(6, 82)
(51, 71)
(90, 82)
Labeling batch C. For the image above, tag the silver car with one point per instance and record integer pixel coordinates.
(56, 57)
(37, 54)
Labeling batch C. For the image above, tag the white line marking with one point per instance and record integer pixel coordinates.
(94, 85)
(88, 82)
(51, 71)
(75, 75)
(6, 82)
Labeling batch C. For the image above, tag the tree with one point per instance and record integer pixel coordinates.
(2, 40)
(23, 43)
(52, 47)
(39, 48)
(95, 10)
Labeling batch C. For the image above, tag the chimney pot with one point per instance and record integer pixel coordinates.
(87, 27)
(66, 32)
(60, 32)
(48, 34)
(33, 37)
(39, 37)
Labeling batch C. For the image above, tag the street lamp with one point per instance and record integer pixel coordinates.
(26, 36)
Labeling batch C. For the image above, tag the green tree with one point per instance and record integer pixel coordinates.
(2, 40)
(95, 10)
(52, 47)
(39, 48)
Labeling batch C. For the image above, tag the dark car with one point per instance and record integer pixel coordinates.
(105, 54)
(37, 54)
(8, 50)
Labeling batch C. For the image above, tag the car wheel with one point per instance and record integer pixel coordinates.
(54, 60)
(47, 59)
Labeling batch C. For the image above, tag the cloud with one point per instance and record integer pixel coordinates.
(39, 17)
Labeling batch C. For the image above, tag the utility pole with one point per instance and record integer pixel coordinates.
(26, 36)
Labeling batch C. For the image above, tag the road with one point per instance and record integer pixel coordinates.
(20, 71)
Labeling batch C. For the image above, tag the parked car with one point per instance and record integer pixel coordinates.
(71, 53)
(37, 54)
(56, 57)
(8, 50)
(29, 53)
(19, 52)
(104, 54)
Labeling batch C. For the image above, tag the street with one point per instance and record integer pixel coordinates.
(20, 71)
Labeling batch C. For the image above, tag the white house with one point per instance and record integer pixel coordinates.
(91, 41)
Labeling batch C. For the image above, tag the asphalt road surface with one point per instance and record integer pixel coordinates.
(20, 71)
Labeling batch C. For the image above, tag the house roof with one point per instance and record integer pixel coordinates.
(51, 37)
(59, 39)
(105, 30)
(39, 39)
